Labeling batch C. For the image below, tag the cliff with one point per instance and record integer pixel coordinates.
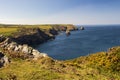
(98, 66)
(19, 61)
(33, 34)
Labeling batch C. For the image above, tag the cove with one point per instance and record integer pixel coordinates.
(80, 43)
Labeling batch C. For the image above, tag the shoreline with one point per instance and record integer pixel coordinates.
(19, 44)
(22, 62)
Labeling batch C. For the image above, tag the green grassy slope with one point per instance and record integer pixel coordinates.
(98, 66)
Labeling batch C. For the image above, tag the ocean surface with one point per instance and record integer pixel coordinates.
(82, 42)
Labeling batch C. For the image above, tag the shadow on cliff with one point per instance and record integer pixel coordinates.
(32, 36)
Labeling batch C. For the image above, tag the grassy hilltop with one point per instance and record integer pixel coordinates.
(7, 30)
(97, 66)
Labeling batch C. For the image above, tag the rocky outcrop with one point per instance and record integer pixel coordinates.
(35, 36)
(4, 60)
(68, 33)
(59, 28)
(68, 27)
(18, 45)
(82, 28)
(31, 36)
(24, 51)
(71, 28)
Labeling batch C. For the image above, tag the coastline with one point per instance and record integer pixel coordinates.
(18, 45)
(34, 66)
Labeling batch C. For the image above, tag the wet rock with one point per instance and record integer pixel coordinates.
(68, 33)
(82, 28)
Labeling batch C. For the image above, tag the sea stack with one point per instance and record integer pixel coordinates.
(68, 33)
(82, 28)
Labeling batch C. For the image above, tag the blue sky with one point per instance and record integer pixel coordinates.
(60, 11)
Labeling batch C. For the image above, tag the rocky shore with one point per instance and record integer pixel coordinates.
(19, 44)
(35, 36)
(14, 50)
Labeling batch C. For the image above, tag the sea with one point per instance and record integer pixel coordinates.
(95, 38)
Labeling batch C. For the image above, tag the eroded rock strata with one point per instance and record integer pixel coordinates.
(19, 44)
(24, 51)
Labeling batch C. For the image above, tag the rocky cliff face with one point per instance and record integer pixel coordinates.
(18, 45)
(35, 36)
(65, 28)
(71, 28)
(31, 36)
(14, 50)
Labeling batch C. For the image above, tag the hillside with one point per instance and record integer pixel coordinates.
(98, 66)
(19, 61)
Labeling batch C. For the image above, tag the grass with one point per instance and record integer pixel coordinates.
(98, 66)
(7, 31)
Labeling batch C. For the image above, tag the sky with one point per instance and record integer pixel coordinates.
(60, 11)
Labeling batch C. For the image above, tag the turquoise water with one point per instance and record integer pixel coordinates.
(80, 43)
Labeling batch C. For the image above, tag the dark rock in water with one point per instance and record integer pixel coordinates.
(82, 28)
(32, 36)
(68, 33)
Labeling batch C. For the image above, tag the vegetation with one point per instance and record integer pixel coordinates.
(7, 30)
(98, 66)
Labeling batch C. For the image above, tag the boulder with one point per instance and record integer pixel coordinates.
(12, 46)
(25, 49)
(4, 60)
(35, 53)
(43, 54)
(68, 33)
(81, 28)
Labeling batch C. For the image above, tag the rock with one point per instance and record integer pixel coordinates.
(81, 28)
(12, 46)
(2, 38)
(53, 32)
(16, 49)
(20, 47)
(4, 60)
(68, 33)
(35, 53)
(43, 54)
(71, 28)
(31, 36)
(25, 49)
